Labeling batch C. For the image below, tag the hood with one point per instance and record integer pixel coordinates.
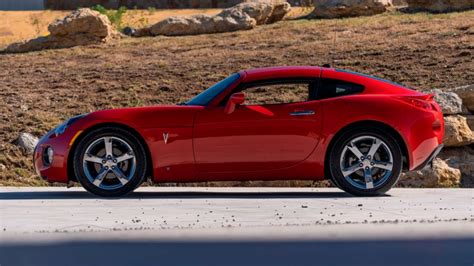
(148, 117)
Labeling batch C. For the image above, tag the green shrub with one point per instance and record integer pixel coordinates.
(115, 16)
(151, 10)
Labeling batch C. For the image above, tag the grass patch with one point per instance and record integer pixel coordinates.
(115, 16)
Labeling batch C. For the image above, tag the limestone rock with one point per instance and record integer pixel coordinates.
(265, 11)
(467, 95)
(27, 142)
(279, 12)
(82, 21)
(450, 102)
(82, 27)
(143, 32)
(457, 132)
(440, 5)
(463, 159)
(244, 16)
(259, 11)
(202, 24)
(348, 8)
(440, 175)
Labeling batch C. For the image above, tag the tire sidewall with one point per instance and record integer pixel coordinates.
(138, 151)
(342, 141)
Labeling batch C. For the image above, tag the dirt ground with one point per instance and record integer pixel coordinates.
(38, 90)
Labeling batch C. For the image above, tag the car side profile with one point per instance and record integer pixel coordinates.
(280, 123)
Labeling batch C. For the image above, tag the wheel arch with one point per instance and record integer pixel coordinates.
(368, 123)
(70, 170)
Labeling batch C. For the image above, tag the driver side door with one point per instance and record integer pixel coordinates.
(277, 127)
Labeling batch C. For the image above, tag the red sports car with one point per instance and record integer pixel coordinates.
(306, 123)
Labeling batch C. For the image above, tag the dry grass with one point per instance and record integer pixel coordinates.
(22, 25)
(40, 89)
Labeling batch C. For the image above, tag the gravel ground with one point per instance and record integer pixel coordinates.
(45, 210)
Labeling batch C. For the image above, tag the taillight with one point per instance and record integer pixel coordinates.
(424, 101)
(437, 125)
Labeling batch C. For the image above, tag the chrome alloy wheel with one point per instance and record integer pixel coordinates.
(366, 162)
(109, 163)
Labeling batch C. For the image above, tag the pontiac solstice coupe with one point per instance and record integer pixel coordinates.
(305, 123)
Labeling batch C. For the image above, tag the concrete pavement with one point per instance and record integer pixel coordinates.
(237, 226)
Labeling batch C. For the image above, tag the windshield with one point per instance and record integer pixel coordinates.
(206, 96)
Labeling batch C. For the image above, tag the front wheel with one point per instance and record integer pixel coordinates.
(365, 161)
(110, 162)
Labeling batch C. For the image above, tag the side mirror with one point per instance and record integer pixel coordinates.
(235, 100)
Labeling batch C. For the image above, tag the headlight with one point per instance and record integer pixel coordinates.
(61, 128)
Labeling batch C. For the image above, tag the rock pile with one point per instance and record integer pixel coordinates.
(455, 164)
(244, 16)
(437, 6)
(82, 27)
(348, 8)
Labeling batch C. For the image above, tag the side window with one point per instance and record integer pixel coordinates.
(277, 93)
(331, 88)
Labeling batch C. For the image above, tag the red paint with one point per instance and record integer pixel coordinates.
(259, 142)
(234, 100)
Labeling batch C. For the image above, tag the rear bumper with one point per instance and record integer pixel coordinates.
(429, 160)
(424, 134)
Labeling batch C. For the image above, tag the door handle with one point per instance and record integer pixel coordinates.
(303, 113)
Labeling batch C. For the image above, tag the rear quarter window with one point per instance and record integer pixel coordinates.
(331, 88)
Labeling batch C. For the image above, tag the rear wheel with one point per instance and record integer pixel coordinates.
(110, 162)
(365, 161)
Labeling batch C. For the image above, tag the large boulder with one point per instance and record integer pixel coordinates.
(348, 8)
(27, 142)
(82, 27)
(449, 102)
(279, 12)
(437, 6)
(82, 22)
(244, 16)
(265, 11)
(202, 24)
(440, 175)
(457, 132)
(467, 95)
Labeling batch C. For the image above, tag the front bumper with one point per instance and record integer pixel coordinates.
(57, 170)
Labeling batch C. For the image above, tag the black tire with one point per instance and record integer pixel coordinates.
(335, 161)
(135, 180)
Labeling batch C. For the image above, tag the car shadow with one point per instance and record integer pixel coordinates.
(235, 253)
(61, 195)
